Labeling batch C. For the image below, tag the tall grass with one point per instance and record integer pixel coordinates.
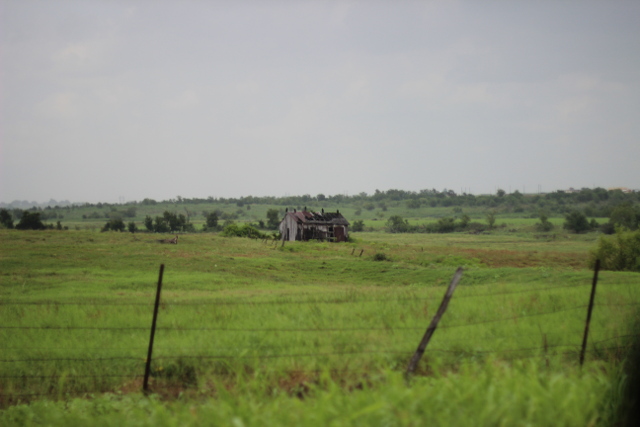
(490, 394)
(308, 330)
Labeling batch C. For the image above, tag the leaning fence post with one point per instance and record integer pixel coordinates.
(596, 269)
(434, 322)
(147, 369)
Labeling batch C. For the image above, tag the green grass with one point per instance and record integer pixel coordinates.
(309, 333)
(492, 394)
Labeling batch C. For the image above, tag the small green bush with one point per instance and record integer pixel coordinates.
(115, 224)
(397, 224)
(235, 230)
(577, 222)
(619, 252)
(544, 224)
(380, 256)
(358, 225)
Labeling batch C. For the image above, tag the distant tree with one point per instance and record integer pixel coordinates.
(212, 221)
(273, 218)
(358, 225)
(132, 227)
(491, 219)
(625, 215)
(246, 230)
(621, 252)
(500, 192)
(170, 222)
(148, 223)
(321, 197)
(129, 212)
(577, 222)
(464, 221)
(30, 221)
(160, 225)
(176, 222)
(115, 224)
(445, 225)
(6, 219)
(413, 204)
(397, 224)
(544, 224)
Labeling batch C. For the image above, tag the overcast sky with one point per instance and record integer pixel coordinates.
(103, 100)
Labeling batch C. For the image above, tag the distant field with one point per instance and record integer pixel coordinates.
(307, 332)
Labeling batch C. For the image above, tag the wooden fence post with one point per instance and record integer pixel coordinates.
(596, 269)
(147, 369)
(434, 322)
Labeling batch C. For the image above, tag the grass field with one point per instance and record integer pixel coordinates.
(255, 333)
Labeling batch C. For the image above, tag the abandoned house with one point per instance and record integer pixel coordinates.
(303, 225)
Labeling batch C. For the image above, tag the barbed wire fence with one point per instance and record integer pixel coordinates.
(55, 370)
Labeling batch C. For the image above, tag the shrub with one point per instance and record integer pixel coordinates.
(544, 224)
(148, 223)
(413, 204)
(396, 224)
(30, 221)
(625, 215)
(491, 218)
(619, 252)
(129, 212)
(357, 225)
(446, 225)
(464, 221)
(115, 224)
(6, 219)
(273, 218)
(168, 222)
(476, 227)
(235, 230)
(212, 221)
(607, 228)
(380, 256)
(577, 222)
